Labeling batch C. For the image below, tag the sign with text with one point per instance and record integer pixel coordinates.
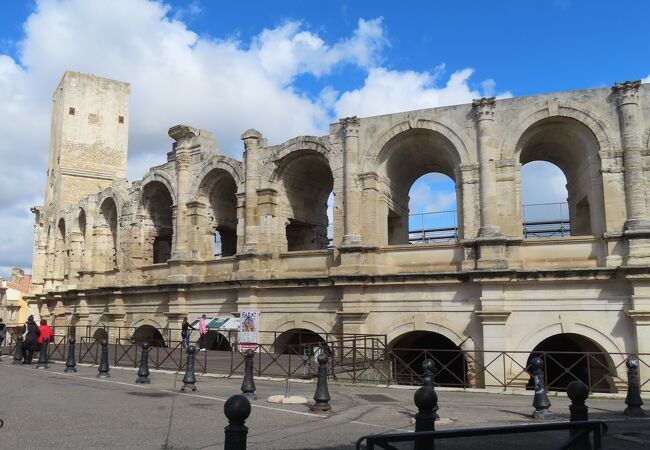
(249, 323)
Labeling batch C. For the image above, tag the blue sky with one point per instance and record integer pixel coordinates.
(290, 68)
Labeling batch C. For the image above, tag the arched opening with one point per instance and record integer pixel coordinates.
(82, 231)
(573, 148)
(100, 334)
(60, 251)
(219, 189)
(217, 341)
(568, 357)
(410, 349)
(149, 334)
(403, 160)
(307, 183)
(158, 225)
(432, 210)
(299, 341)
(106, 235)
(544, 196)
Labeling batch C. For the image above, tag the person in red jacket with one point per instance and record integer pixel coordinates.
(46, 332)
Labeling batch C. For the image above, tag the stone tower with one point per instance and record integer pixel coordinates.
(88, 152)
(88, 138)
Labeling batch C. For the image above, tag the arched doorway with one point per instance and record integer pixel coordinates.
(298, 341)
(218, 189)
(106, 235)
(410, 349)
(100, 334)
(568, 357)
(158, 225)
(217, 341)
(150, 334)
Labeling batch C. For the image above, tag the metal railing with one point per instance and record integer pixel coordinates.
(430, 227)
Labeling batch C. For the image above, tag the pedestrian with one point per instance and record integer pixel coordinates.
(185, 332)
(30, 333)
(202, 331)
(3, 332)
(45, 332)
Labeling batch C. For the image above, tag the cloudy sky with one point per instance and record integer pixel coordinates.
(289, 68)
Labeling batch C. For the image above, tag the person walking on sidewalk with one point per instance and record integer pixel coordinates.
(30, 331)
(203, 329)
(185, 332)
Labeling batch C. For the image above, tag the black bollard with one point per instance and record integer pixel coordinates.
(428, 377)
(143, 370)
(426, 400)
(70, 363)
(43, 354)
(322, 395)
(189, 380)
(633, 398)
(237, 409)
(103, 362)
(18, 351)
(578, 392)
(248, 385)
(541, 403)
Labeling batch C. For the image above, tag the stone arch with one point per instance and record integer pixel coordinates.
(456, 336)
(232, 166)
(139, 320)
(157, 224)
(301, 143)
(106, 232)
(162, 177)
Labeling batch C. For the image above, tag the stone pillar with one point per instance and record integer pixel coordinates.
(484, 115)
(627, 98)
(252, 144)
(351, 235)
(182, 136)
(494, 343)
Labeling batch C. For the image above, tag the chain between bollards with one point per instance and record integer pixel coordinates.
(237, 409)
(70, 363)
(248, 384)
(103, 362)
(18, 351)
(633, 398)
(189, 380)
(143, 370)
(426, 400)
(578, 392)
(43, 354)
(322, 395)
(541, 403)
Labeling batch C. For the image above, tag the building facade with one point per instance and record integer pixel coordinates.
(112, 253)
(13, 308)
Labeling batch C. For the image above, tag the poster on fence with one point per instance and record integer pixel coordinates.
(249, 322)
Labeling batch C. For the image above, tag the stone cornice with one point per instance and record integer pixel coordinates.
(639, 317)
(493, 316)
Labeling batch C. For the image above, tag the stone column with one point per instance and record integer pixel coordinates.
(252, 144)
(484, 115)
(627, 98)
(182, 135)
(351, 235)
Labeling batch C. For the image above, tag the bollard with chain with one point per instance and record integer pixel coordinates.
(426, 400)
(237, 409)
(70, 363)
(578, 392)
(143, 370)
(248, 385)
(189, 380)
(43, 354)
(633, 398)
(541, 403)
(18, 352)
(103, 362)
(428, 378)
(322, 395)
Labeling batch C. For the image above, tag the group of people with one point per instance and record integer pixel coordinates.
(185, 332)
(33, 336)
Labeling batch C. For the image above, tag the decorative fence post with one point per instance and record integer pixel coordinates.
(578, 392)
(633, 398)
(541, 403)
(189, 380)
(426, 400)
(18, 352)
(143, 370)
(248, 385)
(237, 409)
(70, 363)
(43, 354)
(322, 395)
(103, 363)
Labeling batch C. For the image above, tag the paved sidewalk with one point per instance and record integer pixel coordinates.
(50, 409)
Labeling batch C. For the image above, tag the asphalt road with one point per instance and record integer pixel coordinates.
(49, 409)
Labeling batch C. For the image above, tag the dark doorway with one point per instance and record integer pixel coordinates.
(297, 340)
(149, 334)
(217, 341)
(410, 349)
